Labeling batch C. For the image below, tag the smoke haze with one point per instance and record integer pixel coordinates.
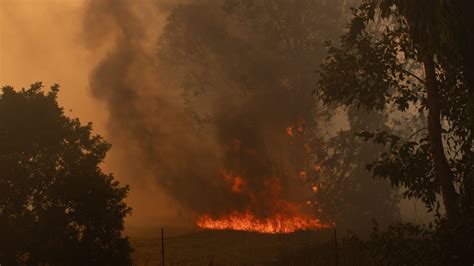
(190, 145)
(174, 150)
(189, 95)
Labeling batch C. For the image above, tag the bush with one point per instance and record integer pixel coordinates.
(56, 205)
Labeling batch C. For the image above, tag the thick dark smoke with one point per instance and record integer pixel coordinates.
(189, 107)
(146, 118)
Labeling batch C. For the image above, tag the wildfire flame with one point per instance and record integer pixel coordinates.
(237, 185)
(280, 216)
(246, 221)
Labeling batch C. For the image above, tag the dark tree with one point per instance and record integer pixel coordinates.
(392, 58)
(348, 194)
(409, 56)
(57, 207)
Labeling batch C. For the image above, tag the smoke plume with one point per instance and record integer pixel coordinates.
(215, 130)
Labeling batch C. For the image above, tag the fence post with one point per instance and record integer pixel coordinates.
(162, 248)
(335, 246)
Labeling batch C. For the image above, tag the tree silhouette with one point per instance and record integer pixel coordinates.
(349, 195)
(57, 207)
(396, 55)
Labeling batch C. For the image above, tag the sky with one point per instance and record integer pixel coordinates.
(41, 40)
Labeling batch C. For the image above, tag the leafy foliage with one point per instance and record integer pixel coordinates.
(56, 205)
(372, 69)
(410, 244)
(348, 195)
(396, 54)
(351, 251)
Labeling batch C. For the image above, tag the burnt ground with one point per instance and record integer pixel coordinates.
(225, 247)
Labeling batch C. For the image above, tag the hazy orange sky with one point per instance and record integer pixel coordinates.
(40, 40)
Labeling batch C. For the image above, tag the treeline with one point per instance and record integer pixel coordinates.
(413, 57)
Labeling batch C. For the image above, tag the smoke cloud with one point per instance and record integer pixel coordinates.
(202, 125)
(145, 115)
(208, 104)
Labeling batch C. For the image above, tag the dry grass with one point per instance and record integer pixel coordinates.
(224, 247)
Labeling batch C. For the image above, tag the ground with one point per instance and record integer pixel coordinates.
(223, 247)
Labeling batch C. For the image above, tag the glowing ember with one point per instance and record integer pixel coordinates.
(302, 174)
(317, 168)
(246, 221)
(238, 184)
(301, 126)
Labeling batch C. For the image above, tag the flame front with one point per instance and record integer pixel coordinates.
(264, 208)
(282, 217)
(246, 221)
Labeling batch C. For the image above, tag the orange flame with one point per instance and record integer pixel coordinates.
(302, 174)
(247, 221)
(238, 184)
(279, 215)
(284, 217)
(317, 168)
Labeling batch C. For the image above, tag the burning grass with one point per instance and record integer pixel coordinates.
(247, 221)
